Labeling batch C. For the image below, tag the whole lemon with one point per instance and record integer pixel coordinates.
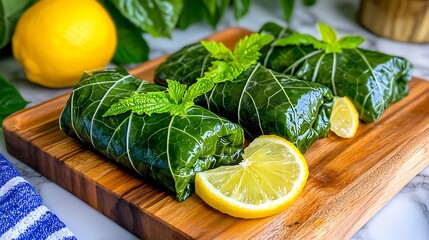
(57, 40)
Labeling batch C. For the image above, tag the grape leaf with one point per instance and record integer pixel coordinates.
(10, 99)
(260, 100)
(372, 80)
(162, 148)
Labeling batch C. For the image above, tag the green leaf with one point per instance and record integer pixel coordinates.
(221, 71)
(168, 150)
(176, 90)
(241, 7)
(142, 103)
(373, 80)
(211, 11)
(327, 33)
(258, 96)
(192, 12)
(218, 50)
(287, 6)
(350, 42)
(308, 2)
(203, 85)
(10, 99)
(131, 47)
(211, 6)
(231, 64)
(329, 43)
(182, 108)
(157, 17)
(176, 101)
(300, 39)
(215, 9)
(10, 12)
(247, 49)
(226, 72)
(251, 44)
(333, 48)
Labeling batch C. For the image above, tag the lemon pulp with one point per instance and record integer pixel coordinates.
(270, 178)
(344, 117)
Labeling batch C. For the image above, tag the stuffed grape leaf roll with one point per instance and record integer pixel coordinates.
(163, 148)
(259, 100)
(373, 81)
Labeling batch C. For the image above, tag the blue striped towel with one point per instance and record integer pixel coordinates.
(22, 214)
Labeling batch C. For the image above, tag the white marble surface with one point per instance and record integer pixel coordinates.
(406, 216)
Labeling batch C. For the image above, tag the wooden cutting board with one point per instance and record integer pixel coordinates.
(349, 181)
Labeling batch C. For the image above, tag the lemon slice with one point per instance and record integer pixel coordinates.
(270, 178)
(344, 118)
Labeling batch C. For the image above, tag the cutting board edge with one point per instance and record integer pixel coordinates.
(91, 187)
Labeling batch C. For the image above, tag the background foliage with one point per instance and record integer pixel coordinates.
(133, 19)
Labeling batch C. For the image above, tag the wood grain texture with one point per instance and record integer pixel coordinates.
(349, 181)
(401, 20)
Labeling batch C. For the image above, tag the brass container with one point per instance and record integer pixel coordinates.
(401, 20)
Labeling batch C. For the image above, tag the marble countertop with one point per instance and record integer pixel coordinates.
(406, 216)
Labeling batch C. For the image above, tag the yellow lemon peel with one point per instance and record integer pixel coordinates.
(270, 178)
(57, 40)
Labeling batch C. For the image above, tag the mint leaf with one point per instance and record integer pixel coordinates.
(247, 53)
(216, 71)
(231, 64)
(181, 108)
(176, 90)
(223, 72)
(350, 42)
(176, 101)
(203, 85)
(301, 39)
(140, 103)
(333, 48)
(251, 44)
(218, 50)
(329, 42)
(296, 39)
(327, 33)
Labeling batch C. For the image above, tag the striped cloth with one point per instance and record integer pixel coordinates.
(22, 214)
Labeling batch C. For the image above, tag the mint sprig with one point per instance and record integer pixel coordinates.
(329, 42)
(151, 102)
(178, 98)
(230, 64)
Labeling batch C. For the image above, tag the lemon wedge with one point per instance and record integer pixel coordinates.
(344, 118)
(270, 178)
